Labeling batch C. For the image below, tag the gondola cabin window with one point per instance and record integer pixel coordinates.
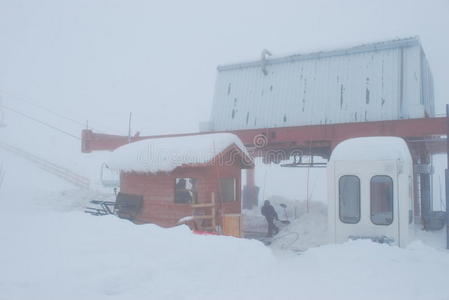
(227, 189)
(349, 199)
(381, 200)
(185, 190)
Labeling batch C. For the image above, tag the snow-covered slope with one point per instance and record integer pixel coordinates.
(47, 254)
(308, 226)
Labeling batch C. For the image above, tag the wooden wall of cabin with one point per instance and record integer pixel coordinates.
(158, 191)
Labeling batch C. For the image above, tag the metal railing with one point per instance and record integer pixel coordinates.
(50, 167)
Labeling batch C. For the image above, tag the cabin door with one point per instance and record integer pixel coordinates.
(366, 200)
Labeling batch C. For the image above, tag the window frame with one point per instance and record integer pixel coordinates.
(371, 199)
(194, 192)
(234, 180)
(358, 197)
(411, 211)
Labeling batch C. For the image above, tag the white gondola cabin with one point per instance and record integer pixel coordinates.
(370, 186)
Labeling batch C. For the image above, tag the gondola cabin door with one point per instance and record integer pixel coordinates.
(366, 203)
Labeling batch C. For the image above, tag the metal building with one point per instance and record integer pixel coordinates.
(380, 81)
(305, 105)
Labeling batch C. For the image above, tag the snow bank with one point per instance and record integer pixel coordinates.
(166, 154)
(76, 256)
(308, 229)
(70, 255)
(372, 148)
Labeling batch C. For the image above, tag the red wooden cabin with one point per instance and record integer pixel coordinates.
(165, 180)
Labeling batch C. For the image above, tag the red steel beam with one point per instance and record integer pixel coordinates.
(317, 135)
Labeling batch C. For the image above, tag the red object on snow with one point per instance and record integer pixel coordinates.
(200, 232)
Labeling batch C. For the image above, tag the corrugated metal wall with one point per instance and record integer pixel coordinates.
(376, 82)
(427, 95)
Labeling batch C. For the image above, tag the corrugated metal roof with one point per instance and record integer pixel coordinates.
(384, 45)
(380, 81)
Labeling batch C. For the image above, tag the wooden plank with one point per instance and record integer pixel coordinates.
(205, 217)
(208, 228)
(202, 205)
(232, 225)
(214, 221)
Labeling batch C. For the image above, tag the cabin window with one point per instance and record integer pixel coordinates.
(227, 189)
(381, 200)
(349, 199)
(185, 190)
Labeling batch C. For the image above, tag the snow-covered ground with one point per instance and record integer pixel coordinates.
(49, 253)
(308, 226)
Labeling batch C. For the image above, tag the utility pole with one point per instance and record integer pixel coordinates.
(447, 176)
(129, 127)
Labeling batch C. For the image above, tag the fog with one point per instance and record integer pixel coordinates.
(97, 61)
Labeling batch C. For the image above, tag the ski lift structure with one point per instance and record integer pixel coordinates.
(305, 138)
(109, 178)
(299, 162)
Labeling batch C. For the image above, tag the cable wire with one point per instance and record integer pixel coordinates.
(79, 123)
(43, 108)
(40, 122)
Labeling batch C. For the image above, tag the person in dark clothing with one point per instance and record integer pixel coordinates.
(182, 194)
(270, 214)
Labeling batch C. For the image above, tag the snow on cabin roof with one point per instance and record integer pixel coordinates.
(371, 148)
(166, 154)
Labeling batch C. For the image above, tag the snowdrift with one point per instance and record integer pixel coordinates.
(70, 255)
(308, 226)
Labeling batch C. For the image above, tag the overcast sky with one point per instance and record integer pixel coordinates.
(98, 60)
